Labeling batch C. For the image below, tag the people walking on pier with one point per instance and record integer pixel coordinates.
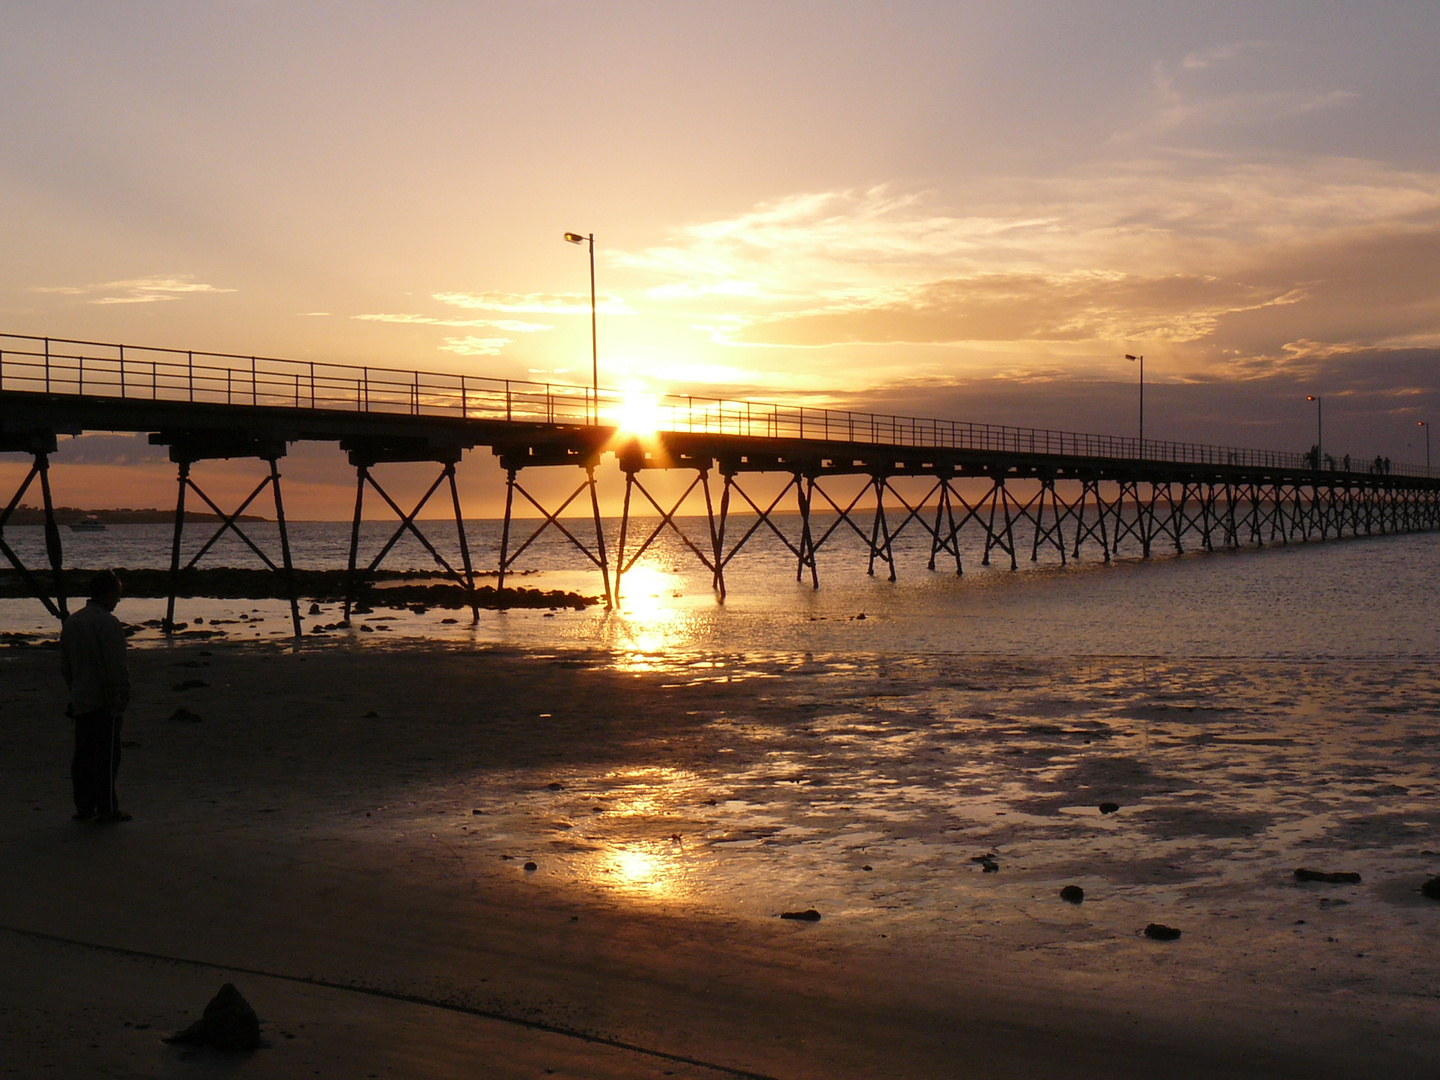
(92, 658)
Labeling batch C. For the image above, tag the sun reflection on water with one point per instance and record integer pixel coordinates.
(646, 816)
(652, 623)
(636, 868)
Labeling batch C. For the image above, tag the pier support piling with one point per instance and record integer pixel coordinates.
(550, 519)
(187, 448)
(633, 460)
(39, 445)
(364, 455)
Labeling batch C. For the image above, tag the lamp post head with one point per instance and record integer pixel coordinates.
(1311, 397)
(574, 238)
(1129, 357)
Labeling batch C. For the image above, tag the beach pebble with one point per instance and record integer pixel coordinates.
(531, 866)
(1431, 888)
(367, 629)
(860, 616)
(315, 609)
(191, 684)
(555, 786)
(1109, 807)
(184, 716)
(228, 1023)
(1072, 894)
(1342, 877)
(867, 866)
(808, 915)
(1160, 932)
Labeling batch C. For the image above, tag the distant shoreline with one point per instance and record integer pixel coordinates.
(69, 515)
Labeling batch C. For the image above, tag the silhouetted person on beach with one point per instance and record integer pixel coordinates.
(92, 659)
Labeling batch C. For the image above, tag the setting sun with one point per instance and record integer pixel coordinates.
(638, 413)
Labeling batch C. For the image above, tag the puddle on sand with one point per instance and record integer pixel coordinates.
(869, 788)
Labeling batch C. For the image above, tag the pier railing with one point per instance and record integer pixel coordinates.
(63, 366)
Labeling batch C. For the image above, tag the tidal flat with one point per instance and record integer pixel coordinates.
(521, 851)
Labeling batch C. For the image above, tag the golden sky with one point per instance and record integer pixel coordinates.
(970, 210)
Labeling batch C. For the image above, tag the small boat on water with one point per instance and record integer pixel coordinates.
(92, 523)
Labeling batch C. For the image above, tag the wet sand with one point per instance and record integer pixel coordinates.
(361, 877)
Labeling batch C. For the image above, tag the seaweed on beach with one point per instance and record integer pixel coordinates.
(384, 588)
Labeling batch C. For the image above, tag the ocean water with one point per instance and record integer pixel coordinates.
(1364, 598)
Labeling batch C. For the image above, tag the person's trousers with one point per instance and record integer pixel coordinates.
(96, 762)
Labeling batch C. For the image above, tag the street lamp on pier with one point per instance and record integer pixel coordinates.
(1142, 400)
(576, 238)
(1426, 425)
(1319, 429)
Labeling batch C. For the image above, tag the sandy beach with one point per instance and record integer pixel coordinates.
(344, 834)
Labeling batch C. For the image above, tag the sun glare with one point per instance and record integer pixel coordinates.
(638, 413)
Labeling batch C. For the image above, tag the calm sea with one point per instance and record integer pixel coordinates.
(1374, 598)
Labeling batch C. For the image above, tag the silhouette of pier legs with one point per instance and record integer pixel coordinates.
(39, 445)
(188, 448)
(1050, 535)
(1000, 502)
(945, 536)
(551, 520)
(633, 460)
(364, 455)
(803, 548)
(1088, 530)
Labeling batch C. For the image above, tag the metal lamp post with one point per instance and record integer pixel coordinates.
(576, 238)
(1319, 429)
(1142, 400)
(1426, 425)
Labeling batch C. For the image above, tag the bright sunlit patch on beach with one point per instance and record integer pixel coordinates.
(649, 873)
(635, 868)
